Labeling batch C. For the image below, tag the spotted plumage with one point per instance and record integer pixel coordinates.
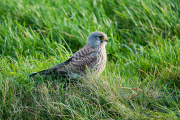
(90, 59)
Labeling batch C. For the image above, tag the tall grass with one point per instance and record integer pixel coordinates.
(141, 79)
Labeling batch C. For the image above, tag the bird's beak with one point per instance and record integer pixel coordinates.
(106, 39)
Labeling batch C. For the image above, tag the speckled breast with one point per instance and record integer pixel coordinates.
(100, 64)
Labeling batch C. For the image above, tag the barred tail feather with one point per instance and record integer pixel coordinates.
(50, 71)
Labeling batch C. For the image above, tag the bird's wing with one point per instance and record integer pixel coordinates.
(80, 63)
(77, 63)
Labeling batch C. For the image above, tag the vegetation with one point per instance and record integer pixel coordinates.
(142, 76)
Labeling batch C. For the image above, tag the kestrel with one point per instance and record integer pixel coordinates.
(89, 59)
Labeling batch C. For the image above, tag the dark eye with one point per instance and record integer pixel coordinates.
(101, 37)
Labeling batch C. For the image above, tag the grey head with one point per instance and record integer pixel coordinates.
(97, 38)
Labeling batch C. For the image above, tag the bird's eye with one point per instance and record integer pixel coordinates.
(101, 37)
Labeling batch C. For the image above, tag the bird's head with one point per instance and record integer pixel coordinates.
(97, 39)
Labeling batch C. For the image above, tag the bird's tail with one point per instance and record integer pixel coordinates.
(33, 75)
(50, 72)
(45, 72)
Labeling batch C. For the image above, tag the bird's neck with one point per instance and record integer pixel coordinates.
(101, 48)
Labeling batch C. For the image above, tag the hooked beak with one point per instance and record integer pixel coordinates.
(106, 39)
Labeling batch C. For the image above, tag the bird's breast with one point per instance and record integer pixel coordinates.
(100, 64)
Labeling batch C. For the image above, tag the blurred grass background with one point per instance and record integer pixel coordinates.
(142, 77)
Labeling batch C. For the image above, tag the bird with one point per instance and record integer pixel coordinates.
(91, 59)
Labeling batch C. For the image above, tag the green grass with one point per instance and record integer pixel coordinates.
(142, 76)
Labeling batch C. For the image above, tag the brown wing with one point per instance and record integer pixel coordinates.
(78, 62)
(82, 58)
